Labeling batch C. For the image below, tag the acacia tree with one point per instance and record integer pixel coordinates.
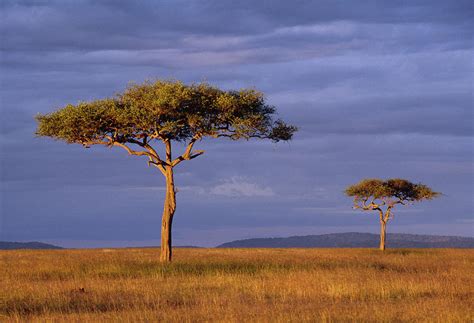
(375, 194)
(163, 112)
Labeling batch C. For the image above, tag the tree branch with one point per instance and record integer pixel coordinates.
(381, 214)
(87, 144)
(155, 155)
(188, 153)
(364, 206)
(131, 151)
(361, 203)
(158, 163)
(400, 201)
(388, 214)
(235, 136)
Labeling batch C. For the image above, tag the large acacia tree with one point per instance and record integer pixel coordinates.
(376, 195)
(157, 113)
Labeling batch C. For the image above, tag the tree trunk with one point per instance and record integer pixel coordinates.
(167, 219)
(382, 235)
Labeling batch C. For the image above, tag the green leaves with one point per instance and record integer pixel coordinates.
(371, 187)
(80, 123)
(282, 131)
(166, 110)
(400, 189)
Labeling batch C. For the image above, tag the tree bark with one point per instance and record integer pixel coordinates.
(382, 235)
(167, 219)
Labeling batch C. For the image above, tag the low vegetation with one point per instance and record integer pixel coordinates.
(292, 285)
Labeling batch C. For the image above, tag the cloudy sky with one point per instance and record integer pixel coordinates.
(377, 88)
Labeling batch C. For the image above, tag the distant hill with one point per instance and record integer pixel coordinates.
(157, 247)
(6, 245)
(354, 240)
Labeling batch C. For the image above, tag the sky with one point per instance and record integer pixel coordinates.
(377, 88)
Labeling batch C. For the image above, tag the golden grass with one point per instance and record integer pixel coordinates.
(228, 285)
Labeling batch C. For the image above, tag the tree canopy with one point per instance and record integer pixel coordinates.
(371, 193)
(166, 110)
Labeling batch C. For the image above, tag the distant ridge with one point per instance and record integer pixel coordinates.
(354, 240)
(158, 246)
(7, 245)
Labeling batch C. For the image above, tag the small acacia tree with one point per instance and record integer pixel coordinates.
(376, 194)
(163, 112)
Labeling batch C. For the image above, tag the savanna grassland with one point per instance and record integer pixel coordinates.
(287, 285)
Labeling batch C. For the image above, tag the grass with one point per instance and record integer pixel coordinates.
(269, 285)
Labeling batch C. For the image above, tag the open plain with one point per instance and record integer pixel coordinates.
(286, 285)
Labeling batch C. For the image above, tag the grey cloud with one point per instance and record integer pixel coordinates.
(50, 25)
(240, 187)
(377, 89)
(449, 114)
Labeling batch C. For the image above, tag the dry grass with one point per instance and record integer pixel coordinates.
(269, 285)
